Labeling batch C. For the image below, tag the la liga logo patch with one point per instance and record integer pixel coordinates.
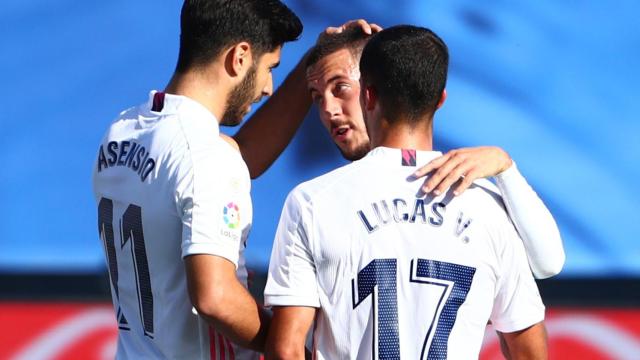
(231, 215)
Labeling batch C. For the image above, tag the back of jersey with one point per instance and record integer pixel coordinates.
(396, 274)
(144, 180)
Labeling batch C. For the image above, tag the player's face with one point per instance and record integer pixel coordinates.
(334, 82)
(258, 82)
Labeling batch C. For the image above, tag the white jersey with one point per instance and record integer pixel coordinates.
(395, 275)
(167, 186)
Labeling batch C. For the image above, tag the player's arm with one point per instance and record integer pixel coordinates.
(292, 288)
(224, 302)
(535, 224)
(270, 129)
(531, 217)
(288, 332)
(518, 312)
(526, 344)
(210, 247)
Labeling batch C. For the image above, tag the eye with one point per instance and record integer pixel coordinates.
(341, 88)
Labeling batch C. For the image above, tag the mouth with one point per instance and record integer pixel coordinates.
(340, 133)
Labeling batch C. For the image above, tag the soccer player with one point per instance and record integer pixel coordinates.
(174, 208)
(333, 78)
(388, 274)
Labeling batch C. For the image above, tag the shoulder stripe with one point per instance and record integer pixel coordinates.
(158, 102)
(408, 157)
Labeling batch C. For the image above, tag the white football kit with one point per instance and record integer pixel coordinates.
(394, 275)
(167, 186)
(534, 223)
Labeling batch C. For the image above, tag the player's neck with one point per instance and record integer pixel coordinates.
(201, 88)
(403, 136)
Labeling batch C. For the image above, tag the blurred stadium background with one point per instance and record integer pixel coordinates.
(553, 83)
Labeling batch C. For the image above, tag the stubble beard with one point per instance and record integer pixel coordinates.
(240, 97)
(356, 154)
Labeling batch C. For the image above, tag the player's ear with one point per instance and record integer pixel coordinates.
(369, 98)
(239, 59)
(443, 97)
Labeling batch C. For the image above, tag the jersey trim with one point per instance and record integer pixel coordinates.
(220, 348)
(158, 102)
(217, 248)
(408, 157)
(520, 323)
(291, 300)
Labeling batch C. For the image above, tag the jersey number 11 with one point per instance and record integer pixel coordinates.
(130, 229)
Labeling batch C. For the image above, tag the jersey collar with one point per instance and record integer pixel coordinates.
(403, 157)
(166, 104)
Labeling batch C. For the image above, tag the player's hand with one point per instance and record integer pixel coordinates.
(366, 27)
(464, 166)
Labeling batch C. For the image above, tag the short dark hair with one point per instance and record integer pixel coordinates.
(407, 67)
(352, 39)
(208, 26)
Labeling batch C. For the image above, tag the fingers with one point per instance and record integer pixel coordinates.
(433, 164)
(358, 23)
(443, 171)
(466, 181)
(450, 178)
(333, 30)
(469, 164)
(361, 23)
(375, 28)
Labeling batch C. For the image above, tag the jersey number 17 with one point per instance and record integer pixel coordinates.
(382, 273)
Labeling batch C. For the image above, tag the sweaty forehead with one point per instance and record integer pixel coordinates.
(339, 64)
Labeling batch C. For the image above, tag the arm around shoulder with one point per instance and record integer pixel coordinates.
(534, 222)
(270, 129)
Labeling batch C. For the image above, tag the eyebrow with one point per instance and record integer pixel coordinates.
(335, 77)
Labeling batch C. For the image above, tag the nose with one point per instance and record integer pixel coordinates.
(330, 105)
(268, 87)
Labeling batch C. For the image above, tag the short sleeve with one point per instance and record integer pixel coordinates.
(208, 200)
(292, 273)
(517, 304)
